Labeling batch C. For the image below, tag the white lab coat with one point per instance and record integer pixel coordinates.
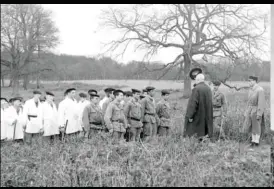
(49, 119)
(33, 124)
(68, 110)
(10, 116)
(81, 106)
(103, 101)
(3, 124)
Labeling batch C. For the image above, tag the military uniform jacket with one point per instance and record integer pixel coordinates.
(115, 118)
(105, 105)
(148, 110)
(163, 112)
(93, 117)
(133, 113)
(218, 102)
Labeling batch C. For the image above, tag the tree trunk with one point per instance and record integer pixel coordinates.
(38, 81)
(15, 84)
(11, 80)
(187, 80)
(26, 82)
(3, 81)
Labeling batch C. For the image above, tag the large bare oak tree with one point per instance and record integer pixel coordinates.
(233, 31)
(27, 31)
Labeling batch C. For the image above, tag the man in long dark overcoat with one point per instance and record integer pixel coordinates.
(199, 113)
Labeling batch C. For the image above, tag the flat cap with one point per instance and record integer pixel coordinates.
(69, 90)
(149, 88)
(165, 92)
(128, 93)
(16, 98)
(49, 93)
(253, 78)
(135, 91)
(194, 72)
(116, 92)
(92, 91)
(4, 99)
(83, 95)
(36, 92)
(109, 90)
(216, 83)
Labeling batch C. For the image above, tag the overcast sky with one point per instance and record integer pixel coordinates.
(79, 35)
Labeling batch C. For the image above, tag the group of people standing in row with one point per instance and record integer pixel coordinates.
(133, 112)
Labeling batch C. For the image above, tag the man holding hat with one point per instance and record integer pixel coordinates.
(93, 121)
(199, 113)
(30, 110)
(254, 115)
(109, 94)
(48, 116)
(68, 114)
(219, 108)
(164, 114)
(133, 114)
(149, 115)
(4, 106)
(114, 117)
(15, 120)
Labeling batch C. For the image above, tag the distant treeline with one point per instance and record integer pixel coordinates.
(68, 67)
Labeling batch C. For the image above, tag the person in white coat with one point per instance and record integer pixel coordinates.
(15, 121)
(33, 128)
(4, 106)
(68, 114)
(48, 116)
(83, 102)
(109, 94)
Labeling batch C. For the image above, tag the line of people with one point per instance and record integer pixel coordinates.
(133, 112)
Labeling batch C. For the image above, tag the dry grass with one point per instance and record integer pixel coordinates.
(172, 161)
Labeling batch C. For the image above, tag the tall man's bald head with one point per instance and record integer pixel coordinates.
(200, 78)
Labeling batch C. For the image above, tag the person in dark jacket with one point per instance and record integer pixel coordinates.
(199, 113)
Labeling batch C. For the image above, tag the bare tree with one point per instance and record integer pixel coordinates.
(25, 28)
(220, 30)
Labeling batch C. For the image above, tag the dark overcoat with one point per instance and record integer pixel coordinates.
(199, 109)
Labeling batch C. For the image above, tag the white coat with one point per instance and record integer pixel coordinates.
(10, 116)
(3, 124)
(81, 106)
(103, 101)
(68, 111)
(33, 124)
(48, 116)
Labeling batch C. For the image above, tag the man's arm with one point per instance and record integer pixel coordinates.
(261, 103)
(143, 107)
(85, 118)
(108, 116)
(192, 104)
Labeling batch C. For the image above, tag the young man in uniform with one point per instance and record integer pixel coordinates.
(93, 117)
(148, 115)
(254, 115)
(83, 102)
(33, 128)
(114, 117)
(15, 120)
(48, 116)
(164, 114)
(68, 114)
(110, 98)
(219, 109)
(133, 114)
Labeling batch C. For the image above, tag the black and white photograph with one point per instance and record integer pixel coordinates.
(137, 95)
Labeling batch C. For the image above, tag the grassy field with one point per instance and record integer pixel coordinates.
(172, 161)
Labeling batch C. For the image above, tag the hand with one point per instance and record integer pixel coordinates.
(41, 130)
(14, 122)
(190, 120)
(24, 127)
(259, 117)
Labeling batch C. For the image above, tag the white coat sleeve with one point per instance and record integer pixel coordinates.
(10, 118)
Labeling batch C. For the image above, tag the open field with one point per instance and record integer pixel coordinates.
(172, 161)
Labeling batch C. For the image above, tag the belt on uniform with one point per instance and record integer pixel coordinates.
(217, 106)
(150, 114)
(95, 123)
(117, 121)
(135, 119)
(32, 116)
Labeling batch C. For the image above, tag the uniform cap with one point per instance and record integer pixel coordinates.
(116, 92)
(128, 93)
(92, 91)
(149, 88)
(69, 90)
(16, 98)
(49, 93)
(109, 90)
(37, 92)
(135, 91)
(94, 95)
(4, 99)
(194, 72)
(253, 78)
(216, 83)
(165, 92)
(83, 95)
(144, 90)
